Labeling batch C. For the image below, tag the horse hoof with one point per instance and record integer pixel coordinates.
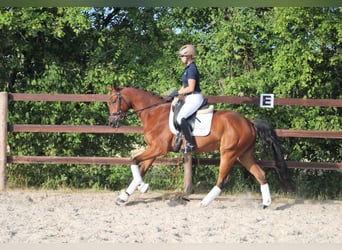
(119, 202)
(202, 205)
(264, 206)
(122, 198)
(185, 199)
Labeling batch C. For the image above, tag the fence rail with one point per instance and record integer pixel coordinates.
(212, 99)
(97, 129)
(159, 161)
(38, 128)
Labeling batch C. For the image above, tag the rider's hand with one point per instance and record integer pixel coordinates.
(172, 95)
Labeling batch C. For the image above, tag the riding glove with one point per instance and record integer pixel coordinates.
(172, 95)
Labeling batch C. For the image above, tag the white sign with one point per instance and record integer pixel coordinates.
(267, 100)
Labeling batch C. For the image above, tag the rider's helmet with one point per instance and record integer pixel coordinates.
(188, 50)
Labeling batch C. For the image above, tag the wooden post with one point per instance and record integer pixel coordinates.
(187, 173)
(3, 138)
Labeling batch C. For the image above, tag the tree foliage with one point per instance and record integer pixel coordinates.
(291, 52)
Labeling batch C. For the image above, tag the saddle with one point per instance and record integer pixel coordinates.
(200, 121)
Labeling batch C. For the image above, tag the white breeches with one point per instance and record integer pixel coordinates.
(192, 103)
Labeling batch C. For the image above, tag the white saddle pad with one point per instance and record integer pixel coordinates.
(202, 122)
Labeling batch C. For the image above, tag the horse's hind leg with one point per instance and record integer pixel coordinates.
(227, 160)
(248, 161)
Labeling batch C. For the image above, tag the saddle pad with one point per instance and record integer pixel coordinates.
(202, 123)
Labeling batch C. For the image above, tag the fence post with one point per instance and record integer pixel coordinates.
(3, 138)
(187, 173)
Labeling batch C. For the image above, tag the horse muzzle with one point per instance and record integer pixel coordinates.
(114, 122)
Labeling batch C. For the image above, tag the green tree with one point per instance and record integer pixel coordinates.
(291, 52)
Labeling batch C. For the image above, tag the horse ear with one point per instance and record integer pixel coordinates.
(115, 86)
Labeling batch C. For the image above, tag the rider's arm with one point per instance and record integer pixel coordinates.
(189, 89)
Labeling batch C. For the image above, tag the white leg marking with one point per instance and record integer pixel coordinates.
(136, 173)
(266, 195)
(123, 197)
(143, 187)
(214, 192)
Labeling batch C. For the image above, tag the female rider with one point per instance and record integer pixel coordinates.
(192, 92)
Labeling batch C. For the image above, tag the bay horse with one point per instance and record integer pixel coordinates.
(231, 133)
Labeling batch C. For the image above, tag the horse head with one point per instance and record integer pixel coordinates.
(124, 98)
(118, 107)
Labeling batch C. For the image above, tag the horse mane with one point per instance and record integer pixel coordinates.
(138, 88)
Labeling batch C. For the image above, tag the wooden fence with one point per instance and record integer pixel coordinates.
(38, 128)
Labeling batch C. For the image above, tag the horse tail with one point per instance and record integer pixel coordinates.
(268, 136)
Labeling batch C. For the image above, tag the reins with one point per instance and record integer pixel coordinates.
(128, 113)
(148, 107)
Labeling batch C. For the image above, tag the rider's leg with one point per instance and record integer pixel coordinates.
(192, 103)
(178, 142)
(186, 129)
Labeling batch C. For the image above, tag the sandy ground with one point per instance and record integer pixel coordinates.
(92, 217)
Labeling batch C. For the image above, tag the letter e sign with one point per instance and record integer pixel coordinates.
(267, 100)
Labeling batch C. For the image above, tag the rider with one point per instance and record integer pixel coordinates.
(192, 92)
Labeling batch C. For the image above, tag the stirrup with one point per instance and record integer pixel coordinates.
(188, 148)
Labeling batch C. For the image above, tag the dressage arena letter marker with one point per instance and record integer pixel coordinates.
(267, 100)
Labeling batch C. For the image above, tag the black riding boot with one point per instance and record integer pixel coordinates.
(178, 142)
(190, 145)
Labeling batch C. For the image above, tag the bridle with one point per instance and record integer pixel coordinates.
(120, 115)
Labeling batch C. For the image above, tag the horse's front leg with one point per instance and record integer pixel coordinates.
(137, 182)
(157, 146)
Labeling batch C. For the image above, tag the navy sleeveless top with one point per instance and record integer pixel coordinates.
(191, 72)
